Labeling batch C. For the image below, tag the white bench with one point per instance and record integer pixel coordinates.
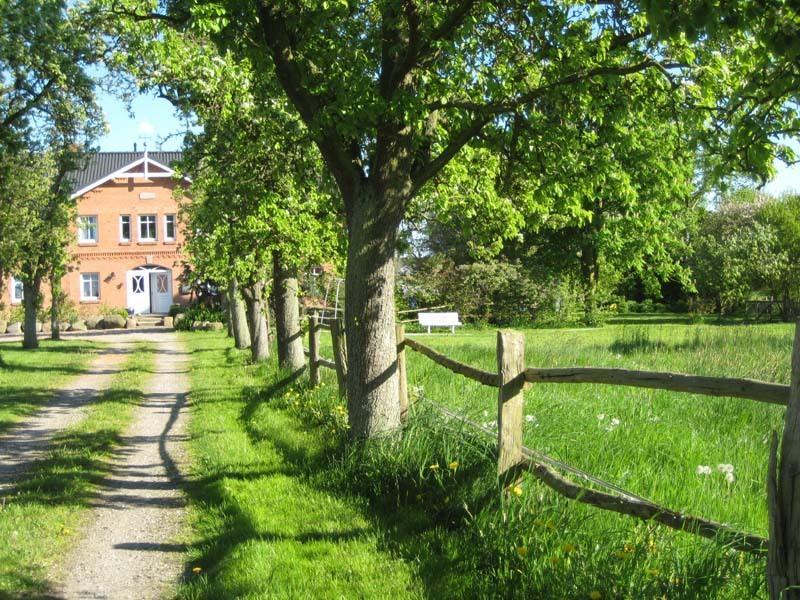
(439, 319)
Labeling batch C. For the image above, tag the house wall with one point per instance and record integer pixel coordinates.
(112, 258)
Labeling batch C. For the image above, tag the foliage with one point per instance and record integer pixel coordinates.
(734, 253)
(199, 314)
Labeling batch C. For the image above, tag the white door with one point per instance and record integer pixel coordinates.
(160, 291)
(138, 283)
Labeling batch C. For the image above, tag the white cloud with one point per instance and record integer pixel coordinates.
(146, 128)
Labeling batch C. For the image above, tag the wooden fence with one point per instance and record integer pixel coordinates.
(513, 458)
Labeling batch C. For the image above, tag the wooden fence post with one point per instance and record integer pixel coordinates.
(339, 354)
(783, 490)
(313, 349)
(511, 373)
(402, 380)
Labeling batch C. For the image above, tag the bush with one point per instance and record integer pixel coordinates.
(108, 311)
(176, 309)
(198, 314)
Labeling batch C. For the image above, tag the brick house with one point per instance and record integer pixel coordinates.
(127, 249)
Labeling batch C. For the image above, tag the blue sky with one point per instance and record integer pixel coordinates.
(154, 121)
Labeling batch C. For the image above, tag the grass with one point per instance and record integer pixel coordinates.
(429, 501)
(265, 526)
(39, 518)
(29, 378)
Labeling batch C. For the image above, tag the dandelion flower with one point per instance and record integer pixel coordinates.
(516, 490)
(601, 416)
(434, 467)
(653, 572)
(453, 465)
(530, 419)
(703, 470)
(725, 468)
(729, 477)
(196, 570)
(628, 547)
(522, 551)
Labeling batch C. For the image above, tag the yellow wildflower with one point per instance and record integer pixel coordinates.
(522, 551)
(516, 490)
(196, 570)
(595, 595)
(434, 467)
(628, 547)
(453, 465)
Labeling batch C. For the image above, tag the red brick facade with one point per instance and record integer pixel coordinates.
(112, 267)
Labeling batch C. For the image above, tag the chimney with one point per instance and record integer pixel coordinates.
(134, 147)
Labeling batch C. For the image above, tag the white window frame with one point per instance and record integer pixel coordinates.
(155, 228)
(122, 237)
(82, 221)
(14, 283)
(89, 277)
(167, 236)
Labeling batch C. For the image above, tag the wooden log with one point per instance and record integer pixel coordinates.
(783, 488)
(771, 393)
(313, 347)
(339, 354)
(324, 362)
(647, 511)
(511, 375)
(402, 376)
(484, 377)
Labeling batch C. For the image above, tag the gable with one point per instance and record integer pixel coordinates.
(106, 166)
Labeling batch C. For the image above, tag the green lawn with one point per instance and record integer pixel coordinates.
(41, 515)
(29, 378)
(264, 525)
(431, 499)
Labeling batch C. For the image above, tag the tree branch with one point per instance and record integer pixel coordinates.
(342, 158)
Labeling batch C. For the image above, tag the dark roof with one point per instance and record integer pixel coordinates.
(102, 164)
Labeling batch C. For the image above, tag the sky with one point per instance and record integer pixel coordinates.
(153, 121)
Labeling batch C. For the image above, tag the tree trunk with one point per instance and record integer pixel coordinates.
(225, 305)
(590, 269)
(55, 307)
(372, 392)
(287, 316)
(30, 290)
(257, 321)
(241, 330)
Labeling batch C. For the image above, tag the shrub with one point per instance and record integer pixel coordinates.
(198, 314)
(176, 309)
(107, 311)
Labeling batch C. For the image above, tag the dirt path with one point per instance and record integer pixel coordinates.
(130, 547)
(26, 442)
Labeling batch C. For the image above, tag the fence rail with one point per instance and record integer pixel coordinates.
(513, 457)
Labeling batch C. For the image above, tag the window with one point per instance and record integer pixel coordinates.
(16, 291)
(87, 230)
(169, 227)
(90, 286)
(147, 228)
(125, 228)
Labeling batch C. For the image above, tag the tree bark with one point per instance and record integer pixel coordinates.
(55, 307)
(257, 321)
(287, 316)
(30, 290)
(372, 385)
(238, 315)
(225, 305)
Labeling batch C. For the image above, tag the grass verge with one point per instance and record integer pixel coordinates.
(28, 378)
(39, 518)
(265, 525)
